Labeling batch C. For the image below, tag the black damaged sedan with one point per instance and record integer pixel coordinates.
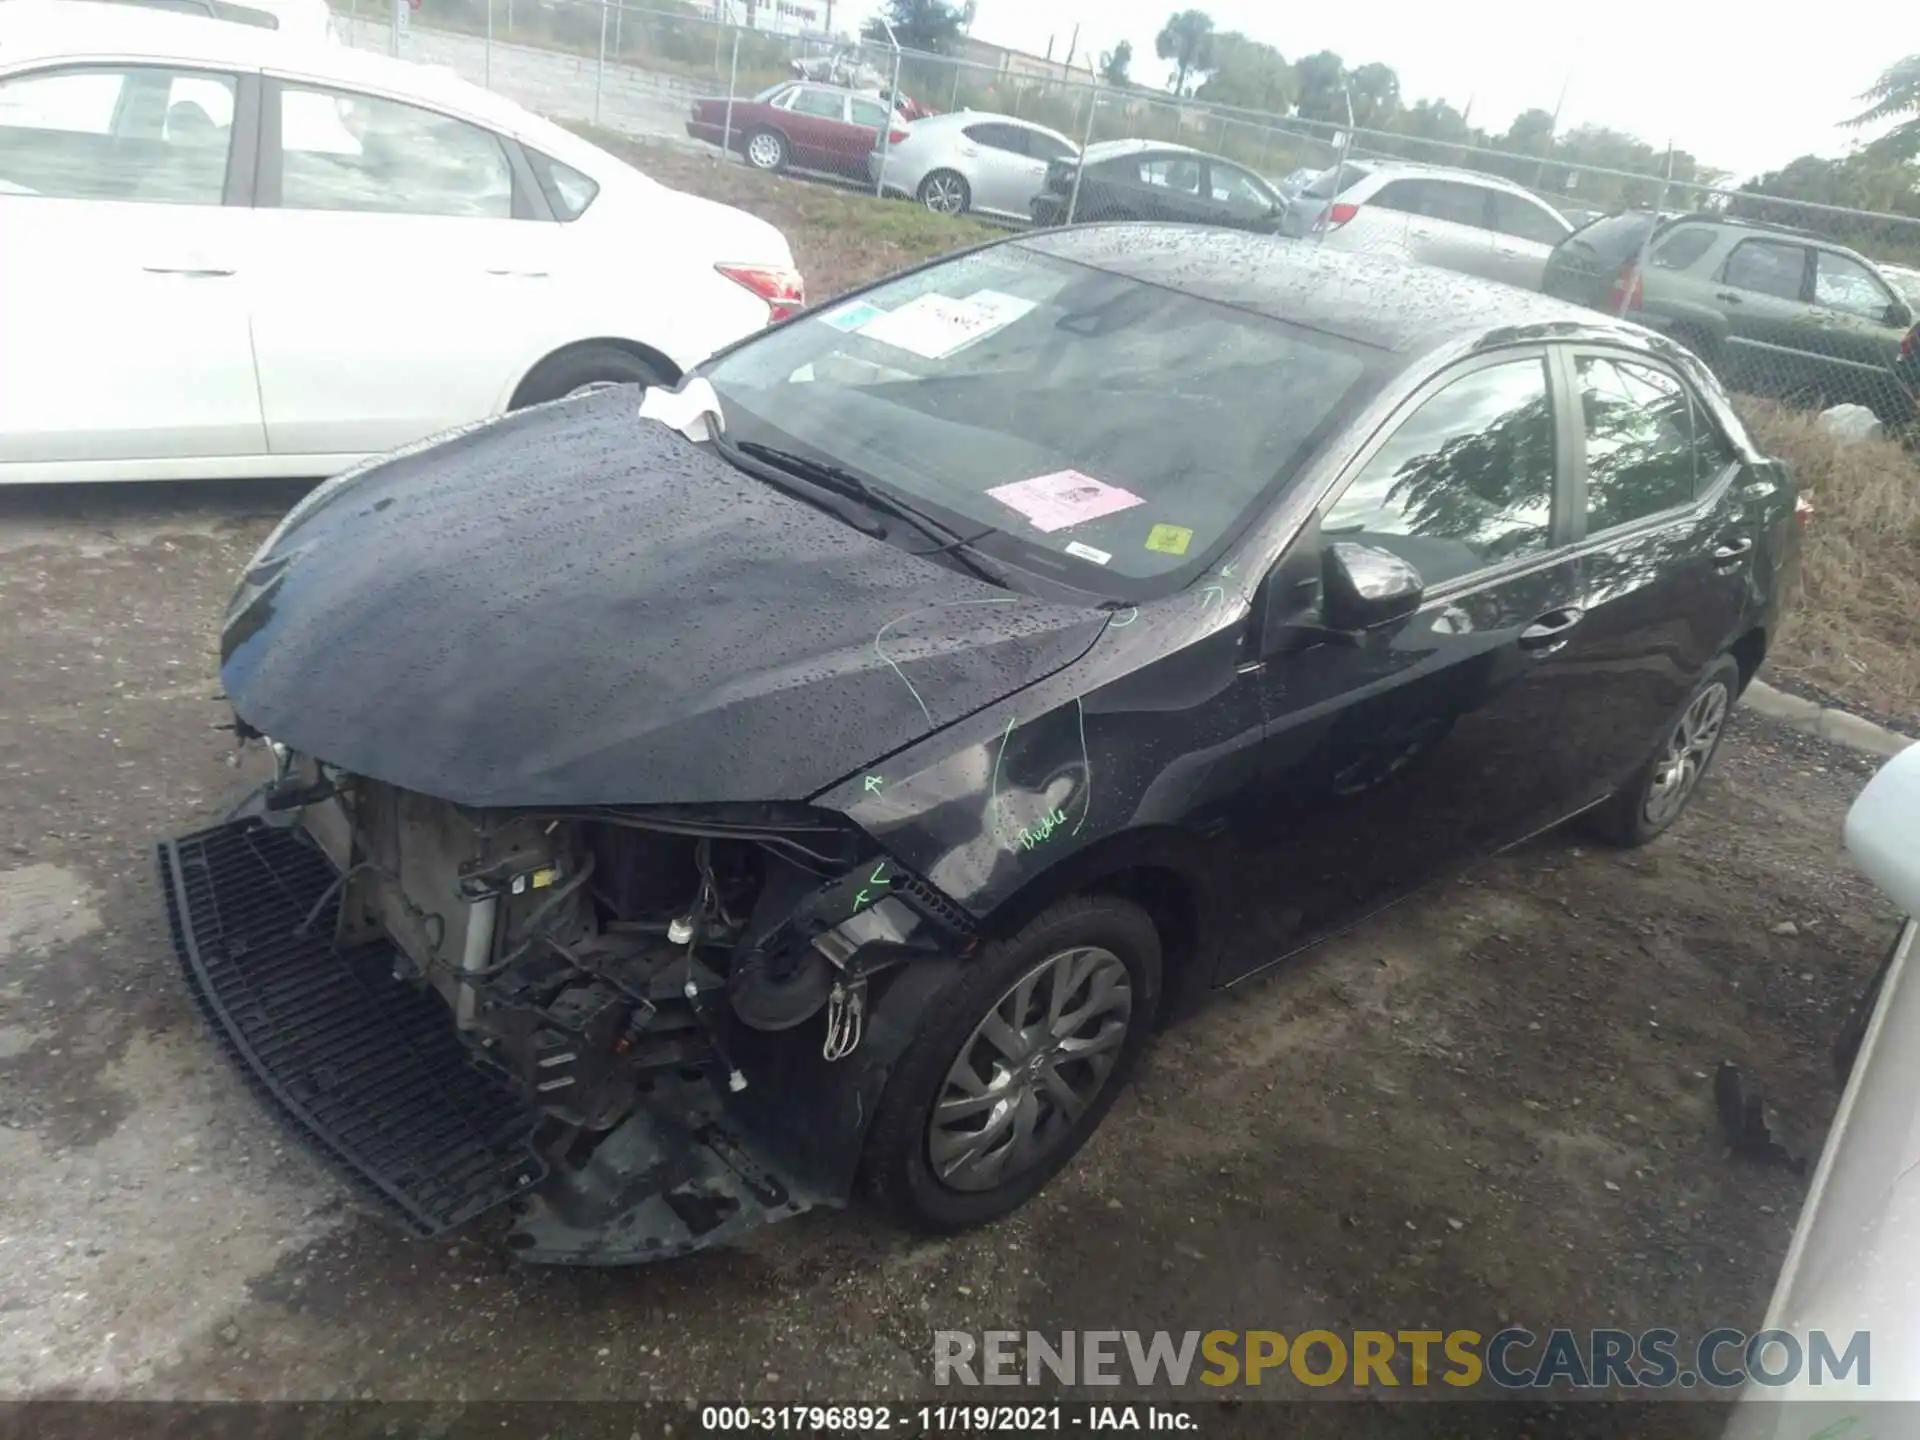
(679, 823)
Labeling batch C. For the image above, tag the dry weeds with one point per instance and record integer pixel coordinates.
(1854, 628)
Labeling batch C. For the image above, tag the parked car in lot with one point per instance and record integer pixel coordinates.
(231, 253)
(840, 775)
(1146, 180)
(1774, 311)
(1850, 1265)
(1460, 219)
(817, 127)
(993, 164)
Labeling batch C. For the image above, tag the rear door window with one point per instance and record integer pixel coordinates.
(1466, 482)
(822, 104)
(1448, 200)
(1680, 247)
(1767, 267)
(1329, 183)
(1010, 138)
(870, 113)
(1043, 146)
(1648, 450)
(1237, 189)
(1172, 172)
(346, 151)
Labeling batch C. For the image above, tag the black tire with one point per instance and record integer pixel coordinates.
(940, 182)
(765, 150)
(583, 365)
(1630, 817)
(897, 1166)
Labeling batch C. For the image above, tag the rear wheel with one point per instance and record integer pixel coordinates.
(945, 193)
(581, 370)
(1017, 1066)
(766, 150)
(1660, 790)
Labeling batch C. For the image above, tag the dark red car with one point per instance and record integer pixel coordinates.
(816, 127)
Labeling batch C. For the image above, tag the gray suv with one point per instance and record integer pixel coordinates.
(1774, 311)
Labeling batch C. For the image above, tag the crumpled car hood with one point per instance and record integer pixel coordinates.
(575, 606)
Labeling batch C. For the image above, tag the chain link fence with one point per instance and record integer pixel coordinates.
(1811, 305)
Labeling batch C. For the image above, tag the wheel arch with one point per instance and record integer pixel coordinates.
(745, 132)
(657, 359)
(1162, 870)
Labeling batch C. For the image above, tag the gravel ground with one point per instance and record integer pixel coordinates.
(1491, 1104)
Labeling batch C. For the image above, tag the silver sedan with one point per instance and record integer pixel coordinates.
(971, 161)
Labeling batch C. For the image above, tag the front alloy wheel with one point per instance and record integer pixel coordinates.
(1015, 1063)
(944, 193)
(1030, 1069)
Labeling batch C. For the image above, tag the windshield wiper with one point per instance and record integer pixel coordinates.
(839, 479)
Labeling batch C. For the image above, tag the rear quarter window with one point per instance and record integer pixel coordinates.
(568, 192)
(1617, 236)
(1330, 183)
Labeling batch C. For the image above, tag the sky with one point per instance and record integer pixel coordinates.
(1745, 86)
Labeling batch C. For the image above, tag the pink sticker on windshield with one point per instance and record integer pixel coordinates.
(1054, 502)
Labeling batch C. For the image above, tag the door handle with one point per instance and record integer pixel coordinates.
(1728, 296)
(210, 271)
(517, 274)
(1549, 632)
(1727, 551)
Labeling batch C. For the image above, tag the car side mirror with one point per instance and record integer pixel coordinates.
(1899, 315)
(1364, 588)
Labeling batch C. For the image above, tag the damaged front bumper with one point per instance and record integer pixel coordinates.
(371, 1072)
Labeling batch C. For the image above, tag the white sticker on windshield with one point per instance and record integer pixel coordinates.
(852, 315)
(934, 326)
(1064, 498)
(1087, 552)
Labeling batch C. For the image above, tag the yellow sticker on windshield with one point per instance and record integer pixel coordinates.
(1169, 539)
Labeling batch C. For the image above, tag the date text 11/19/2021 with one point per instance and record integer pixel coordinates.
(943, 1419)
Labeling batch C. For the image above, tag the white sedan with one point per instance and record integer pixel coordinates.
(230, 252)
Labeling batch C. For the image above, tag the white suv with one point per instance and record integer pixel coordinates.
(1460, 219)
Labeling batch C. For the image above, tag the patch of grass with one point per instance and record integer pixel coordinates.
(840, 237)
(1854, 630)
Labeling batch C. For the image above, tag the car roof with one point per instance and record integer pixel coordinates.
(1376, 300)
(1381, 169)
(1107, 149)
(81, 31)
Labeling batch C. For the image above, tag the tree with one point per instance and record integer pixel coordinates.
(931, 25)
(1187, 40)
(1319, 81)
(1248, 73)
(1896, 92)
(1114, 63)
(1375, 90)
(1531, 133)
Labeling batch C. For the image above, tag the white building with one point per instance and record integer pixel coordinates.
(779, 17)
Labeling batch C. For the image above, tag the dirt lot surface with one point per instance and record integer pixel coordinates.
(1490, 1105)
